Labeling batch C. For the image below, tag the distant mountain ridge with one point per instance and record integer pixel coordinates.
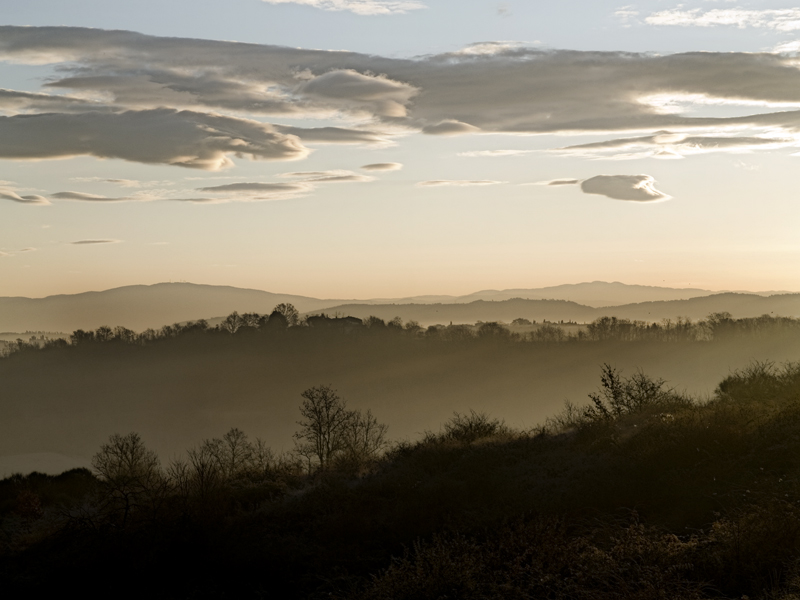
(139, 307)
(739, 305)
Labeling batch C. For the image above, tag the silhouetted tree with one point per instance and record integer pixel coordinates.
(492, 330)
(331, 433)
(363, 439)
(289, 312)
(79, 336)
(374, 322)
(131, 476)
(325, 417)
(232, 322)
(277, 320)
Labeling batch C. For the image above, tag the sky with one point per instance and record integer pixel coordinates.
(390, 148)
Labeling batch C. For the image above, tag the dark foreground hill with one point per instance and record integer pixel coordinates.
(644, 494)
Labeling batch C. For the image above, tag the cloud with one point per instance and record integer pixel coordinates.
(379, 94)
(27, 250)
(665, 144)
(89, 242)
(557, 182)
(486, 88)
(787, 19)
(787, 47)
(360, 7)
(388, 166)
(160, 136)
(458, 182)
(627, 14)
(15, 101)
(449, 127)
(305, 183)
(334, 135)
(485, 49)
(233, 192)
(480, 153)
(7, 194)
(329, 176)
(126, 183)
(281, 188)
(81, 196)
(635, 188)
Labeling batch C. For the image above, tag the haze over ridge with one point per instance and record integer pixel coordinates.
(139, 307)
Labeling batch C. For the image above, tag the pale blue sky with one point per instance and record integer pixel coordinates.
(103, 156)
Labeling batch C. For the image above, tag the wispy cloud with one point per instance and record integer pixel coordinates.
(360, 7)
(279, 188)
(787, 47)
(458, 182)
(387, 166)
(94, 241)
(334, 176)
(786, 19)
(633, 188)
(336, 135)
(8, 194)
(665, 144)
(84, 197)
(557, 182)
(449, 127)
(126, 183)
(627, 14)
(480, 153)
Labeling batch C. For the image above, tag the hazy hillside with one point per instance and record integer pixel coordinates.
(739, 305)
(590, 293)
(138, 307)
(176, 391)
(595, 293)
(477, 310)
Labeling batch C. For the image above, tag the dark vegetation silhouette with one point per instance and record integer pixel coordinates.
(716, 326)
(643, 492)
(187, 381)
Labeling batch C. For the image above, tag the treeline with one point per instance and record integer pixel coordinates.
(285, 319)
(642, 493)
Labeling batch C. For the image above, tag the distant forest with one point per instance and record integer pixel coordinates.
(285, 319)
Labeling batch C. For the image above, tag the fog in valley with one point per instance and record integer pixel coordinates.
(179, 385)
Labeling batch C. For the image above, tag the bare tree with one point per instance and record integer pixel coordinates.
(131, 475)
(325, 417)
(232, 322)
(330, 432)
(364, 437)
(288, 311)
